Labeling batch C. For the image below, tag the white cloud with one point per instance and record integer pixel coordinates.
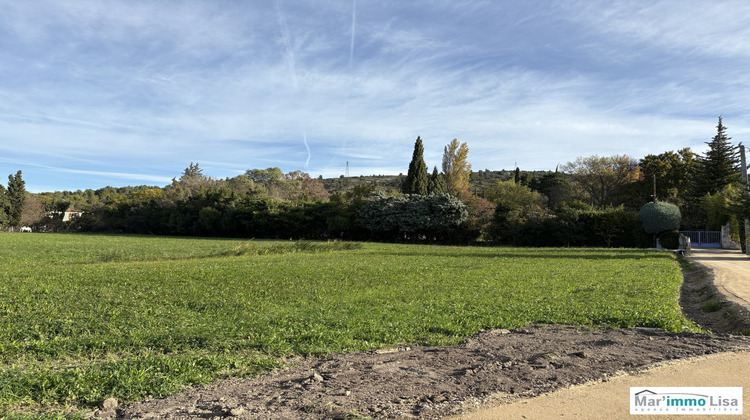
(120, 87)
(714, 29)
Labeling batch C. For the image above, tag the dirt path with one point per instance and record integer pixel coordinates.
(610, 399)
(731, 272)
(494, 367)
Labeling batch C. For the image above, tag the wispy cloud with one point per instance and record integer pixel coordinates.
(286, 39)
(354, 31)
(309, 155)
(118, 175)
(147, 87)
(684, 27)
(50, 171)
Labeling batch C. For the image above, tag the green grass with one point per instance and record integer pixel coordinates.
(78, 326)
(55, 249)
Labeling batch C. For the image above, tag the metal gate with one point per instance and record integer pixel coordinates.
(703, 238)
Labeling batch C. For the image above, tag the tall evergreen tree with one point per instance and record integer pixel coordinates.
(720, 165)
(4, 206)
(16, 198)
(416, 179)
(557, 187)
(437, 183)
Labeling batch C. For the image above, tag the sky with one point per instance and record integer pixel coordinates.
(118, 93)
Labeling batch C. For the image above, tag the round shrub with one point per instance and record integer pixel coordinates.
(659, 217)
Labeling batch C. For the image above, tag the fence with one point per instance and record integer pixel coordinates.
(703, 238)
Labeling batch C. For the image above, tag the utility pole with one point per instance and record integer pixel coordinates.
(654, 188)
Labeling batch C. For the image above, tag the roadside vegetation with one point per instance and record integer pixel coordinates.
(78, 325)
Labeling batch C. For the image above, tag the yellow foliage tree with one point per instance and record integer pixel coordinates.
(455, 167)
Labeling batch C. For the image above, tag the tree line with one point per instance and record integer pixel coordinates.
(591, 201)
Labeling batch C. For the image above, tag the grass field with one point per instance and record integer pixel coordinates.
(86, 317)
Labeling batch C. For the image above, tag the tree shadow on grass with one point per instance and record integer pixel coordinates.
(554, 253)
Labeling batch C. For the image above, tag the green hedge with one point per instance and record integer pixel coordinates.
(612, 228)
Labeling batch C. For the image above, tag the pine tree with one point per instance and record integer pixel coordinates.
(16, 198)
(437, 183)
(416, 179)
(719, 167)
(192, 171)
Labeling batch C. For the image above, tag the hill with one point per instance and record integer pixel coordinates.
(480, 180)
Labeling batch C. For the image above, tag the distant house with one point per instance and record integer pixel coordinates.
(67, 215)
(71, 214)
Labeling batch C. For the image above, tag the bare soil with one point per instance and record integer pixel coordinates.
(433, 382)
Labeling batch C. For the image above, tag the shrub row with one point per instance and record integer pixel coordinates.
(615, 227)
(409, 218)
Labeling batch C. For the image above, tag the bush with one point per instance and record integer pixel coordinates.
(659, 216)
(669, 239)
(477, 225)
(613, 228)
(413, 216)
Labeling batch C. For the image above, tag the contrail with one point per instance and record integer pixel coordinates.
(287, 42)
(354, 28)
(304, 139)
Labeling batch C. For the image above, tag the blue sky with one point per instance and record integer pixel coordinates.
(96, 93)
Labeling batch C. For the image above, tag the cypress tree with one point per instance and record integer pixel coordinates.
(4, 206)
(16, 198)
(437, 183)
(416, 179)
(719, 167)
